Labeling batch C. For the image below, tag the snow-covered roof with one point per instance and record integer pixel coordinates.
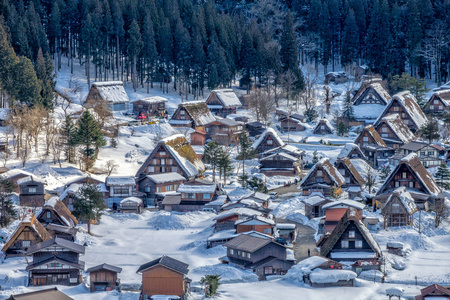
(286, 226)
(198, 111)
(348, 148)
(325, 122)
(314, 200)
(258, 196)
(166, 177)
(120, 180)
(331, 276)
(52, 201)
(258, 218)
(131, 199)
(378, 88)
(283, 154)
(227, 97)
(204, 189)
(398, 126)
(344, 203)
(242, 211)
(29, 179)
(405, 198)
(152, 100)
(222, 235)
(112, 91)
(367, 111)
(268, 131)
(325, 164)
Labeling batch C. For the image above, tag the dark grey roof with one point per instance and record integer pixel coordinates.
(167, 262)
(58, 241)
(46, 294)
(104, 267)
(60, 228)
(79, 265)
(171, 199)
(256, 124)
(414, 146)
(248, 243)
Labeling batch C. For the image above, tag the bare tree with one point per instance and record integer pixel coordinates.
(57, 150)
(102, 111)
(111, 167)
(262, 105)
(308, 97)
(370, 178)
(24, 155)
(435, 47)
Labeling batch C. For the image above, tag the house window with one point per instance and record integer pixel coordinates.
(411, 184)
(170, 161)
(385, 135)
(26, 243)
(121, 191)
(431, 106)
(182, 112)
(163, 169)
(365, 139)
(404, 175)
(162, 153)
(436, 101)
(191, 196)
(422, 153)
(397, 184)
(154, 161)
(268, 270)
(351, 234)
(163, 161)
(206, 196)
(384, 129)
(158, 189)
(347, 179)
(239, 253)
(151, 169)
(319, 172)
(358, 244)
(231, 251)
(267, 230)
(406, 122)
(269, 142)
(32, 189)
(147, 189)
(249, 255)
(440, 107)
(395, 108)
(49, 215)
(322, 127)
(430, 153)
(344, 244)
(174, 169)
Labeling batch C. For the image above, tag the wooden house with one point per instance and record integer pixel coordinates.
(104, 277)
(411, 174)
(371, 91)
(438, 102)
(350, 240)
(29, 232)
(351, 150)
(150, 107)
(336, 77)
(399, 209)
(193, 114)
(223, 102)
(394, 131)
(319, 271)
(69, 195)
(280, 163)
(157, 186)
(255, 128)
(434, 292)
(119, 188)
(292, 123)
(198, 138)
(164, 276)
(314, 205)
(428, 154)
(131, 205)
(172, 154)
(405, 105)
(226, 220)
(55, 261)
(256, 223)
(352, 177)
(261, 255)
(45, 294)
(224, 131)
(322, 177)
(287, 231)
(334, 211)
(269, 139)
(373, 146)
(245, 202)
(192, 195)
(32, 191)
(15, 175)
(56, 214)
(112, 92)
(323, 127)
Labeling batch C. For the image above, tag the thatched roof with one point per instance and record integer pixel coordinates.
(198, 111)
(374, 134)
(61, 210)
(332, 172)
(375, 85)
(346, 162)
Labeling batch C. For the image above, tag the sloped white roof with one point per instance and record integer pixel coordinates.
(274, 134)
(203, 188)
(347, 149)
(344, 203)
(131, 199)
(311, 201)
(327, 167)
(327, 123)
(29, 179)
(331, 276)
(406, 199)
(120, 180)
(112, 91)
(166, 177)
(153, 99)
(227, 97)
(399, 127)
(242, 211)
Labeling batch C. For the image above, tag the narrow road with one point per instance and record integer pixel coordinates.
(304, 241)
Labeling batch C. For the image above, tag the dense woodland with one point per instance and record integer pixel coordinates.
(197, 44)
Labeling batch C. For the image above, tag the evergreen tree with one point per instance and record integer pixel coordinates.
(44, 73)
(27, 87)
(113, 143)
(246, 151)
(347, 111)
(89, 136)
(211, 156)
(212, 283)
(350, 42)
(315, 159)
(7, 212)
(224, 165)
(342, 129)
(257, 184)
(443, 176)
(430, 130)
(385, 172)
(68, 135)
(135, 45)
(417, 87)
(88, 204)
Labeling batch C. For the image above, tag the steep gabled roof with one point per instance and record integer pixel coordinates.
(433, 290)
(325, 164)
(198, 111)
(324, 122)
(348, 148)
(227, 97)
(346, 162)
(112, 91)
(32, 223)
(61, 210)
(374, 134)
(443, 95)
(167, 262)
(405, 198)
(409, 103)
(350, 216)
(418, 170)
(182, 152)
(268, 132)
(398, 127)
(248, 243)
(377, 86)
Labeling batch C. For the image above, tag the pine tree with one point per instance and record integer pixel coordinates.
(417, 87)
(68, 136)
(89, 136)
(347, 111)
(27, 87)
(443, 176)
(257, 185)
(88, 204)
(350, 42)
(246, 151)
(430, 130)
(224, 165)
(135, 45)
(211, 156)
(7, 212)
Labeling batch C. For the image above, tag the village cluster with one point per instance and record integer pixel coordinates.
(337, 194)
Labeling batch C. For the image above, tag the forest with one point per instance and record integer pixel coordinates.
(196, 44)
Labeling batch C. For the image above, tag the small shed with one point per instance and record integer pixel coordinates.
(336, 77)
(198, 138)
(104, 278)
(150, 107)
(32, 191)
(112, 92)
(131, 205)
(324, 127)
(314, 204)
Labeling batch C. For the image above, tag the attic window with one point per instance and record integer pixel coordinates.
(32, 189)
(396, 108)
(436, 101)
(344, 244)
(351, 234)
(404, 175)
(365, 139)
(182, 112)
(319, 173)
(269, 142)
(49, 215)
(26, 243)
(162, 153)
(384, 129)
